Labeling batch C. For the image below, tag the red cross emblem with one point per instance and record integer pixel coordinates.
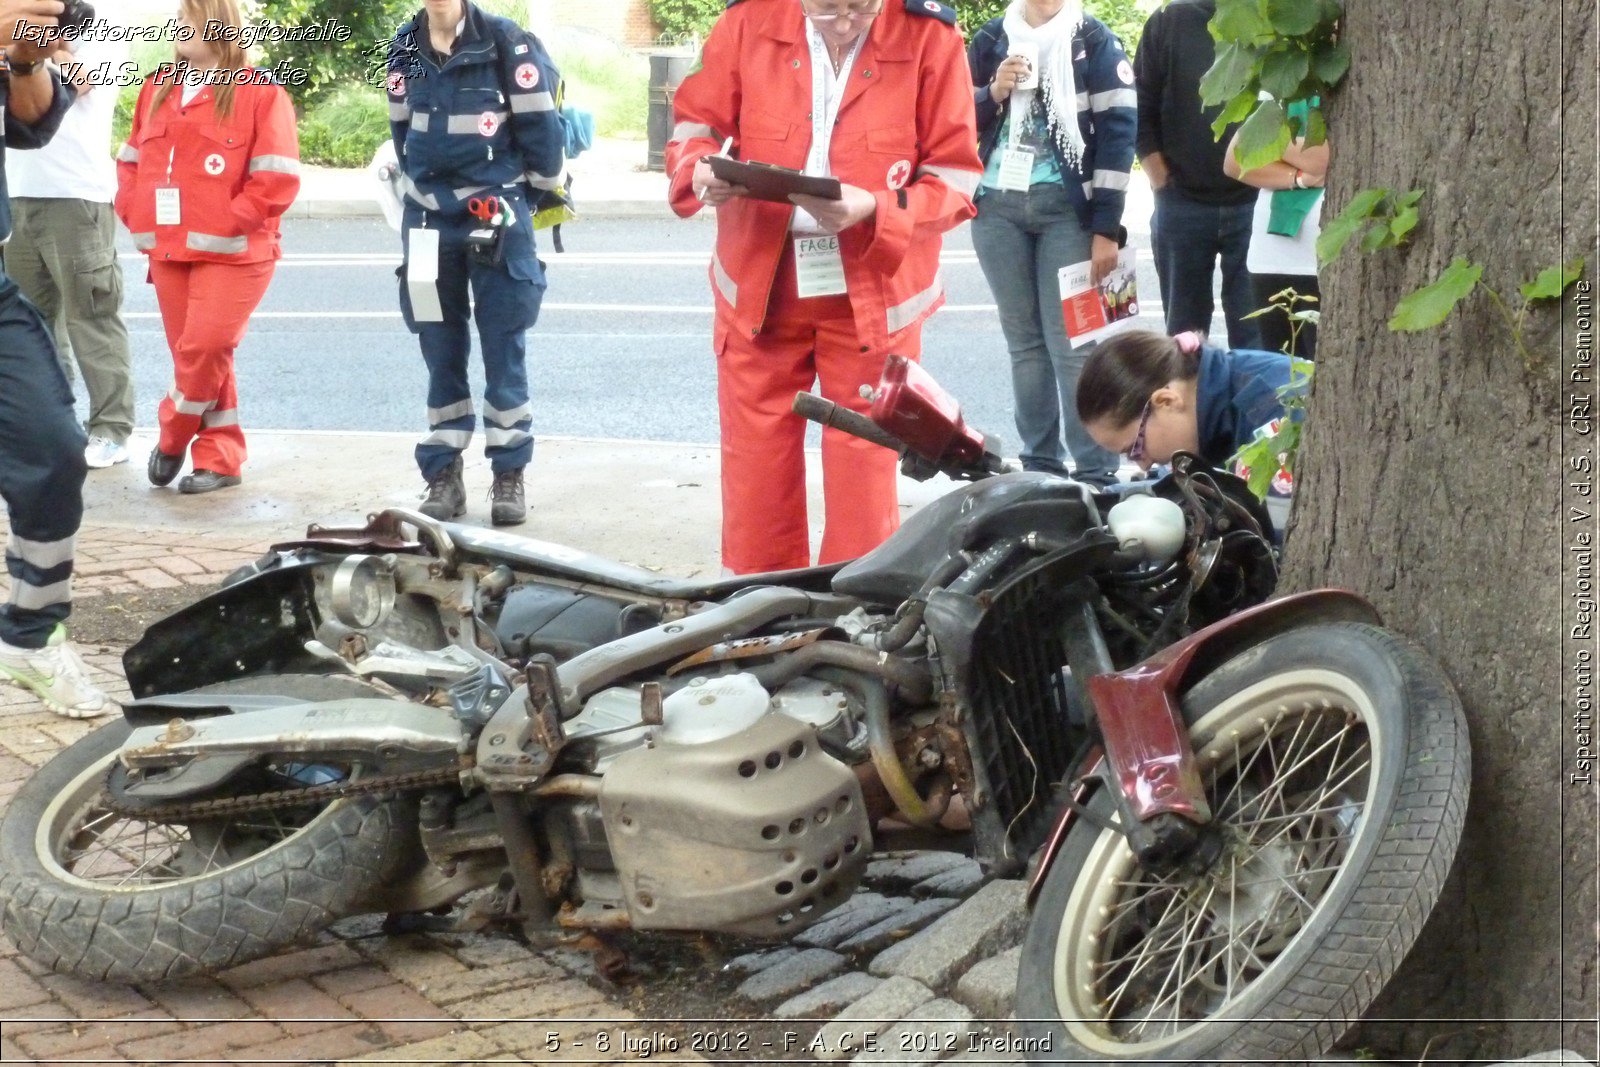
(397, 83)
(933, 5)
(899, 174)
(527, 75)
(215, 164)
(488, 124)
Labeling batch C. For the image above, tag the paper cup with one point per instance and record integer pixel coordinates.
(1028, 50)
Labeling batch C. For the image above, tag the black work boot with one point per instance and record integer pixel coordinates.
(508, 507)
(447, 494)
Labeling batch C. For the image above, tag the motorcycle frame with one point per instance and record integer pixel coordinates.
(1147, 754)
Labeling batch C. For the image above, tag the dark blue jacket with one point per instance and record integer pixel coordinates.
(35, 134)
(484, 120)
(1236, 394)
(1108, 116)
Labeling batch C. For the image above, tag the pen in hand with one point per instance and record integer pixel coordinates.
(726, 147)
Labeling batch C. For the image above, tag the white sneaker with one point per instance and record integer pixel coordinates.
(57, 676)
(104, 452)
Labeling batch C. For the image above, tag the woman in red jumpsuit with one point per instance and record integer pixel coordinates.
(871, 92)
(211, 164)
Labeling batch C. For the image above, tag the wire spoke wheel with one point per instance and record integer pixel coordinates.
(1314, 749)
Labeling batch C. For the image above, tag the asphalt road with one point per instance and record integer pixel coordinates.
(622, 348)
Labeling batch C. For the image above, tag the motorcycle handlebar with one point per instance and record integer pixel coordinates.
(827, 413)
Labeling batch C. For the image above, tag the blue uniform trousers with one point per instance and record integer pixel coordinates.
(504, 304)
(41, 473)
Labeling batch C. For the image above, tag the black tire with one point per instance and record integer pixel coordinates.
(1342, 880)
(263, 895)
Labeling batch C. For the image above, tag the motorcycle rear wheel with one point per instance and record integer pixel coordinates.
(1337, 766)
(103, 896)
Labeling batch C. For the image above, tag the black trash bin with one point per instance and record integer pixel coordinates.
(667, 71)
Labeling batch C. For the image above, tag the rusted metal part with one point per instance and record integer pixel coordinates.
(282, 799)
(593, 917)
(746, 648)
(650, 704)
(953, 742)
(569, 785)
(177, 731)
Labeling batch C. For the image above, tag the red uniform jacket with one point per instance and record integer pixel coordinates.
(906, 133)
(236, 177)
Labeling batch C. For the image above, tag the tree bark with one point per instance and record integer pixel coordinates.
(1437, 474)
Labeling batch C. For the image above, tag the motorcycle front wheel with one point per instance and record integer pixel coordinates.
(1336, 765)
(97, 894)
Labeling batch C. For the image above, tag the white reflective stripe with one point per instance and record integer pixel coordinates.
(507, 419)
(495, 437)
(409, 187)
(35, 597)
(523, 103)
(467, 190)
(1110, 179)
(685, 131)
(1115, 98)
(216, 418)
(419, 121)
(904, 314)
(469, 123)
(542, 181)
(456, 439)
(965, 181)
(210, 242)
(42, 554)
(127, 154)
(186, 406)
(276, 164)
(1083, 101)
(399, 112)
(144, 241)
(460, 409)
(1088, 190)
(724, 281)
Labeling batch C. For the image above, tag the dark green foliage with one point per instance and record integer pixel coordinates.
(331, 64)
(682, 19)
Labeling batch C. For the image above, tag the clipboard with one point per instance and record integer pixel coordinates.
(772, 183)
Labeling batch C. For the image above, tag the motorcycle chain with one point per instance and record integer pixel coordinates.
(279, 799)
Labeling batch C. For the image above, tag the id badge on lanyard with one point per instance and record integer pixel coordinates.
(819, 265)
(169, 210)
(1016, 162)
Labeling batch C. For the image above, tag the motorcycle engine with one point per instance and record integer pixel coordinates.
(731, 815)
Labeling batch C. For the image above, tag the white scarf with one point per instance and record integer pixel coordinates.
(1056, 82)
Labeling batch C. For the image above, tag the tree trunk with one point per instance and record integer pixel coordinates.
(1453, 485)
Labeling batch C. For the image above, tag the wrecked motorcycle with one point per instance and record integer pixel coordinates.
(1238, 811)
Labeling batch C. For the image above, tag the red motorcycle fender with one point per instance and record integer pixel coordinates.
(1146, 742)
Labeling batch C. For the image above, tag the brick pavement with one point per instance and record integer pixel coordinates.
(355, 997)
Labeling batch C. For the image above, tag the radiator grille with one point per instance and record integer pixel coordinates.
(1021, 736)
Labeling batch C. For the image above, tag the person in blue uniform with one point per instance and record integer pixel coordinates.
(1146, 395)
(41, 443)
(473, 110)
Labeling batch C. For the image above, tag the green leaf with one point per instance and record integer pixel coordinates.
(1553, 281)
(1330, 64)
(1432, 304)
(1229, 75)
(1316, 131)
(1405, 220)
(1264, 136)
(1413, 198)
(1283, 71)
(1237, 109)
(1336, 234)
(1294, 18)
(1375, 238)
(1258, 312)
(1239, 20)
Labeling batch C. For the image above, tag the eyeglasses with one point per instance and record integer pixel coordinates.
(849, 13)
(1136, 450)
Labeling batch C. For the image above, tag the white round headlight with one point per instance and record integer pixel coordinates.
(1151, 525)
(362, 591)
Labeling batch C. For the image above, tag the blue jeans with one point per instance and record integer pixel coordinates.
(1187, 238)
(1022, 241)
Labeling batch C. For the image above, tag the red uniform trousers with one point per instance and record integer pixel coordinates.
(205, 308)
(764, 525)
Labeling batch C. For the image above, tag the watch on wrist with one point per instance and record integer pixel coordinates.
(23, 68)
(1298, 176)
